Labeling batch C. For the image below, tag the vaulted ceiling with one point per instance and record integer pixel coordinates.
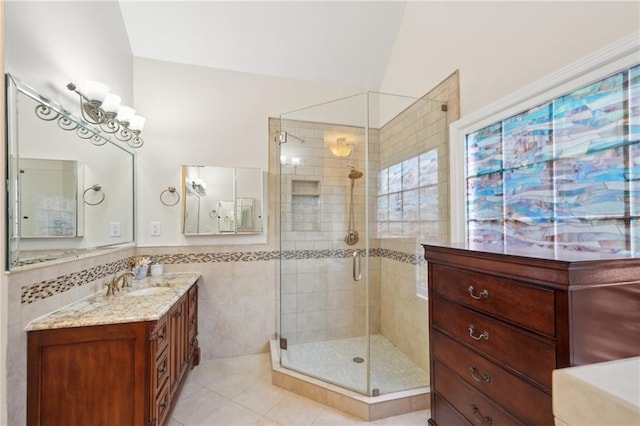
(343, 42)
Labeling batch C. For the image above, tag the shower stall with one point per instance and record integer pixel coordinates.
(362, 183)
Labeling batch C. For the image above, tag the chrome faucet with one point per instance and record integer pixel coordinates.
(112, 286)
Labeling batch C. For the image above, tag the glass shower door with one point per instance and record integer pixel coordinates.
(324, 313)
(360, 181)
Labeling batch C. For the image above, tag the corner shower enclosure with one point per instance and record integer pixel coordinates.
(361, 184)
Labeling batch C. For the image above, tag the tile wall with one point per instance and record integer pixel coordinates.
(421, 128)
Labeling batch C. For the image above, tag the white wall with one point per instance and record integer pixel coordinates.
(499, 46)
(49, 44)
(209, 117)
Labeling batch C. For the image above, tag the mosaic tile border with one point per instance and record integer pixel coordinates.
(48, 288)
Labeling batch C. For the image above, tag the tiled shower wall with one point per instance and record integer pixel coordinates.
(419, 129)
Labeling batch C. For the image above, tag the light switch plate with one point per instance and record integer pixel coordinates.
(155, 229)
(114, 229)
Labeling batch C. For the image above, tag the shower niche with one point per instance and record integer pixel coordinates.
(305, 205)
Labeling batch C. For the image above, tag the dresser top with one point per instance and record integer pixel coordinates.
(557, 268)
(124, 306)
(557, 254)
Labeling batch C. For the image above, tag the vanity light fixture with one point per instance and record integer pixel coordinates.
(101, 107)
(341, 148)
(197, 186)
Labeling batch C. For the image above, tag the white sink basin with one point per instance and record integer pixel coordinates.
(148, 291)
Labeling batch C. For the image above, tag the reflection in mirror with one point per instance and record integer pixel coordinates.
(222, 200)
(59, 167)
(48, 196)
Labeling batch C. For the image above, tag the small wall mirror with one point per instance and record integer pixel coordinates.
(222, 200)
(70, 186)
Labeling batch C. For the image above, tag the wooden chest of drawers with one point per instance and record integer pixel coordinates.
(500, 323)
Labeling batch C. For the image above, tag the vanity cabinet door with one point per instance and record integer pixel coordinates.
(88, 375)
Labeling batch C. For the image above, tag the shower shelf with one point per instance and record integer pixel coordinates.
(308, 188)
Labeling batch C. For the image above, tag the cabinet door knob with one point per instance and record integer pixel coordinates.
(484, 294)
(484, 335)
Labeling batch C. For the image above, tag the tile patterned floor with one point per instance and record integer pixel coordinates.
(332, 361)
(238, 391)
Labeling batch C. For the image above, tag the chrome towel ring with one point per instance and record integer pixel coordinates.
(97, 188)
(170, 190)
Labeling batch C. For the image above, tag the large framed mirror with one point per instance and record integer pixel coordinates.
(70, 186)
(222, 200)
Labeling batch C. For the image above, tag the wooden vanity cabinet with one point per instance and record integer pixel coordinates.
(115, 374)
(500, 323)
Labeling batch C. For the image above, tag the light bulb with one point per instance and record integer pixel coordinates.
(125, 113)
(95, 91)
(111, 103)
(137, 123)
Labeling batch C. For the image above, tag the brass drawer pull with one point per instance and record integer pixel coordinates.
(472, 330)
(475, 411)
(474, 373)
(162, 370)
(484, 294)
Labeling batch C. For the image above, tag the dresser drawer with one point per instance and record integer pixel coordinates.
(514, 394)
(511, 300)
(528, 354)
(474, 406)
(444, 414)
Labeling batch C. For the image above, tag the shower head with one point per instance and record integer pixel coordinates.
(355, 174)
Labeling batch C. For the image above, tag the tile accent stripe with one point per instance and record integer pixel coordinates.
(44, 289)
(39, 291)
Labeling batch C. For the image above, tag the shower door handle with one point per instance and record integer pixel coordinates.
(357, 266)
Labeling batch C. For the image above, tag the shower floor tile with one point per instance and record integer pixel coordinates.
(333, 361)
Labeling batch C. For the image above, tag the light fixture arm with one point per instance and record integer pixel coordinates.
(92, 112)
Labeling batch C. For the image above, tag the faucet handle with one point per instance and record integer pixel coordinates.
(125, 281)
(112, 287)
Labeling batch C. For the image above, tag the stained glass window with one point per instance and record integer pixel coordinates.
(564, 174)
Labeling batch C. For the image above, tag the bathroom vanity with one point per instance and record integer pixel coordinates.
(501, 320)
(114, 360)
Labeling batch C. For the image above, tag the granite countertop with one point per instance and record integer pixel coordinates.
(122, 307)
(605, 393)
